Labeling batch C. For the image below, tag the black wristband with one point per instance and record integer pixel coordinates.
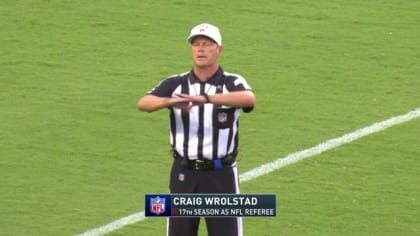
(207, 98)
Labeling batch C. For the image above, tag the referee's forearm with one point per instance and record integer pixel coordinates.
(234, 99)
(150, 103)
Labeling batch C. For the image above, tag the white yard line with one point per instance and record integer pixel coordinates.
(277, 164)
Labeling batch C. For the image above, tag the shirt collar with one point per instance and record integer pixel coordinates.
(212, 80)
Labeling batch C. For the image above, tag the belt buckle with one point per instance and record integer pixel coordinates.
(198, 164)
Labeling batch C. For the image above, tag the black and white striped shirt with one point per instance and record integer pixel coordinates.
(207, 131)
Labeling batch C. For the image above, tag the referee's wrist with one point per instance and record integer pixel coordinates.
(206, 98)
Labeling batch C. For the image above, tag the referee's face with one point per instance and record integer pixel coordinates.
(205, 52)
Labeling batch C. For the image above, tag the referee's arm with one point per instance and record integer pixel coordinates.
(234, 99)
(150, 103)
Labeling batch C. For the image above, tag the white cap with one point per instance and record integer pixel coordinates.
(207, 30)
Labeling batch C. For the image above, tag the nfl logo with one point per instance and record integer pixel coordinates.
(181, 177)
(203, 28)
(222, 117)
(157, 205)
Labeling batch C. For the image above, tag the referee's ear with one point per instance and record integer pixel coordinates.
(247, 109)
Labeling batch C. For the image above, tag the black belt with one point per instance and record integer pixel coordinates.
(202, 165)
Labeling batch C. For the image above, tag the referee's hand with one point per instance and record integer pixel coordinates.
(195, 99)
(181, 103)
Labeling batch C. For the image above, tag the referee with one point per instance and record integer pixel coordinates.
(204, 106)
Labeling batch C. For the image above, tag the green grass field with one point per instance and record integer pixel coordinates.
(75, 153)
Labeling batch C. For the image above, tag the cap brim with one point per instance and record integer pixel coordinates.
(192, 37)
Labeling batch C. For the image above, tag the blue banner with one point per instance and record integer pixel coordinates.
(210, 205)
